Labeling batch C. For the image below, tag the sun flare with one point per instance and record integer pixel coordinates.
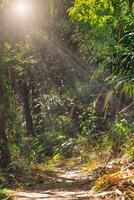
(21, 8)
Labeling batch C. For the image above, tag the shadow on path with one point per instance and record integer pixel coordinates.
(71, 185)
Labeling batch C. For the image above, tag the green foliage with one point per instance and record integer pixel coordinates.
(67, 148)
(18, 166)
(4, 195)
(92, 30)
(103, 31)
(41, 147)
(122, 136)
(87, 122)
(52, 141)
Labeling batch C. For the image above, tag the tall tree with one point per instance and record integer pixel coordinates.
(4, 149)
(26, 107)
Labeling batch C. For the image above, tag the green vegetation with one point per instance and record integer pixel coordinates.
(66, 87)
(104, 32)
(4, 195)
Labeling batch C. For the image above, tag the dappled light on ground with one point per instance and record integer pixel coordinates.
(66, 185)
(83, 182)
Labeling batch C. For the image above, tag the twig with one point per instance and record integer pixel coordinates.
(105, 165)
(125, 110)
(127, 167)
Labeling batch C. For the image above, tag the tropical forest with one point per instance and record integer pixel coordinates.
(66, 99)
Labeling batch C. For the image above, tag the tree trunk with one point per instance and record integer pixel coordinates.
(36, 107)
(130, 2)
(4, 148)
(26, 108)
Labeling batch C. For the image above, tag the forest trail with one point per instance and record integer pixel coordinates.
(66, 185)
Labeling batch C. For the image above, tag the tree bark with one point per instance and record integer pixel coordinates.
(4, 148)
(26, 108)
(130, 2)
(36, 108)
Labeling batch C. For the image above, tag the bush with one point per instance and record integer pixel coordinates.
(4, 195)
(18, 166)
(122, 135)
(67, 148)
(43, 146)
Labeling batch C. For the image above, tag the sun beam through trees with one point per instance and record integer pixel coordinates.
(67, 99)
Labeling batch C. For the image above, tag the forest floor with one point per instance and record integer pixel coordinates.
(72, 184)
(75, 183)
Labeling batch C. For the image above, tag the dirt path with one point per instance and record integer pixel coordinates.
(70, 185)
